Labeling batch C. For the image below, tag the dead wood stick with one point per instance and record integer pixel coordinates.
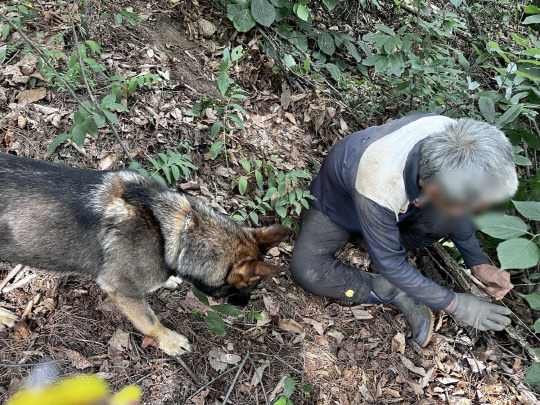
(188, 370)
(211, 382)
(20, 283)
(11, 274)
(233, 383)
(88, 89)
(466, 283)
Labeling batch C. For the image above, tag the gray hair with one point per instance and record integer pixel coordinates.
(471, 161)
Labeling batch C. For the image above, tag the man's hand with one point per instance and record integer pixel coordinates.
(479, 312)
(497, 281)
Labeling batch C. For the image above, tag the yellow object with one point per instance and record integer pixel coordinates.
(127, 395)
(79, 390)
(349, 293)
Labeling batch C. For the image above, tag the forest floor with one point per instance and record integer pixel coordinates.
(346, 354)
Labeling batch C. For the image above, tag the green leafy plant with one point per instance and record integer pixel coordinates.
(168, 167)
(288, 389)
(213, 319)
(281, 192)
(229, 111)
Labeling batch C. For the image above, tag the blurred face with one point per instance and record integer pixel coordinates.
(434, 196)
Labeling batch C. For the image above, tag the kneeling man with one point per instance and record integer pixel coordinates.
(402, 186)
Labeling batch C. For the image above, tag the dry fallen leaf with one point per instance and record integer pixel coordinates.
(270, 304)
(361, 314)
(266, 318)
(31, 96)
(219, 359)
(289, 325)
(119, 340)
(76, 359)
(411, 367)
(398, 343)
(257, 375)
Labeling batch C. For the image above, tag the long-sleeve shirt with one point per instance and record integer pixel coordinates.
(368, 184)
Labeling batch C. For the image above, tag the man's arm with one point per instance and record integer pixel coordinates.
(381, 234)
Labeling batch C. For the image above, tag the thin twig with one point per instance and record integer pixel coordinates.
(188, 370)
(11, 274)
(89, 90)
(233, 383)
(211, 382)
(260, 380)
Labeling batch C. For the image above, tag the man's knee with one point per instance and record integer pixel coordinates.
(308, 271)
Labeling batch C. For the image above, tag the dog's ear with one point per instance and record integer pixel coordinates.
(269, 236)
(251, 273)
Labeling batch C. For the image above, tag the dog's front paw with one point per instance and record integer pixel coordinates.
(173, 283)
(7, 319)
(172, 343)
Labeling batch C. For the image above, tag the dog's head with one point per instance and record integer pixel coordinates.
(223, 259)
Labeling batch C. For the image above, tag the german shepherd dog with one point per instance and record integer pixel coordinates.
(130, 233)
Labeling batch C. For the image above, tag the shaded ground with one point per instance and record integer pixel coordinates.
(348, 355)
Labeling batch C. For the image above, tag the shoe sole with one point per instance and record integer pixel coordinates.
(431, 326)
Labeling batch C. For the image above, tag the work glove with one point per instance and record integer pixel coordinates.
(479, 312)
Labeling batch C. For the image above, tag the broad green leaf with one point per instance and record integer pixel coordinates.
(263, 12)
(5, 31)
(281, 401)
(522, 160)
(200, 295)
(531, 9)
(111, 117)
(216, 127)
(518, 253)
(93, 45)
(236, 53)
(509, 115)
(532, 19)
(326, 43)
(353, 51)
(302, 12)
(533, 375)
(108, 99)
(100, 120)
(243, 20)
(535, 276)
(501, 226)
(245, 164)
(330, 4)
(334, 71)
(259, 179)
(531, 139)
(234, 8)
(529, 209)
(288, 387)
(242, 185)
(175, 173)
(223, 82)
(254, 217)
(56, 142)
(228, 310)
(537, 326)
(215, 149)
(487, 108)
(215, 323)
(533, 300)
(237, 120)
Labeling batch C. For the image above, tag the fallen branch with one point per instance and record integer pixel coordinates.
(188, 370)
(468, 283)
(233, 383)
(11, 274)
